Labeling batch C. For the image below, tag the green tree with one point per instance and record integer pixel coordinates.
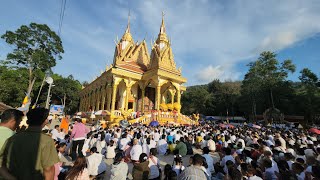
(310, 93)
(197, 99)
(35, 47)
(269, 72)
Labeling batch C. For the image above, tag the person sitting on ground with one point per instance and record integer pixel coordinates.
(119, 169)
(162, 145)
(136, 151)
(55, 133)
(110, 150)
(209, 160)
(154, 165)
(178, 165)
(79, 170)
(169, 174)
(96, 164)
(181, 147)
(195, 171)
(141, 169)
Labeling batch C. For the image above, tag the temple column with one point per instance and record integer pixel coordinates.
(114, 93)
(127, 97)
(109, 94)
(158, 98)
(142, 101)
(103, 100)
(178, 98)
(97, 101)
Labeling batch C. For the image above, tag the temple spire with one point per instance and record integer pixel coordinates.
(127, 35)
(162, 28)
(128, 25)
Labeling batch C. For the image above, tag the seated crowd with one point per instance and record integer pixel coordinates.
(213, 152)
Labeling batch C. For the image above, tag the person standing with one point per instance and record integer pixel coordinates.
(10, 120)
(78, 136)
(30, 154)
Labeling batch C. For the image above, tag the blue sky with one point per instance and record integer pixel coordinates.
(211, 39)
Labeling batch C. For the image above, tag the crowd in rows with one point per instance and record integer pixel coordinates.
(213, 152)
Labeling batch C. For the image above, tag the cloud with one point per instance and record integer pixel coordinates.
(210, 73)
(220, 35)
(210, 38)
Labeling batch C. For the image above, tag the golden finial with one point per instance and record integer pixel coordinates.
(162, 28)
(128, 25)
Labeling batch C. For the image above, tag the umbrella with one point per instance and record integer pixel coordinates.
(230, 126)
(92, 116)
(124, 123)
(300, 126)
(222, 125)
(101, 113)
(256, 126)
(210, 119)
(81, 114)
(136, 124)
(154, 123)
(314, 130)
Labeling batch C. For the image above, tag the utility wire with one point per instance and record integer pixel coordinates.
(62, 12)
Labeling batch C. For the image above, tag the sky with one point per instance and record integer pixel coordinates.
(211, 39)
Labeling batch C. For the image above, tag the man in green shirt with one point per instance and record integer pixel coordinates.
(10, 120)
(181, 147)
(30, 154)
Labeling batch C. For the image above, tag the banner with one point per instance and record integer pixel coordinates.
(56, 109)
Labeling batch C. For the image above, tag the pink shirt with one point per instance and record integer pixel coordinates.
(79, 131)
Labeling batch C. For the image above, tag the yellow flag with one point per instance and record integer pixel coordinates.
(25, 100)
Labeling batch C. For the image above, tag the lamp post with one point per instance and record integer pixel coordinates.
(49, 80)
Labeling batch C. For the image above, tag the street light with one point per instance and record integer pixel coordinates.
(49, 80)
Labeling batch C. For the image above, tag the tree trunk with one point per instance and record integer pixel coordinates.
(271, 96)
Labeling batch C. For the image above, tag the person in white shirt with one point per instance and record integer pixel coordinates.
(123, 142)
(95, 163)
(211, 144)
(177, 136)
(55, 133)
(162, 145)
(136, 150)
(101, 144)
(119, 169)
(110, 150)
(146, 146)
(156, 136)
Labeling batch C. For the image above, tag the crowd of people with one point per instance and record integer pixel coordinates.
(213, 152)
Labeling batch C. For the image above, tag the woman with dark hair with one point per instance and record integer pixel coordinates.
(101, 144)
(119, 169)
(141, 169)
(154, 165)
(79, 170)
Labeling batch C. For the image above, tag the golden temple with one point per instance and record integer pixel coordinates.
(137, 86)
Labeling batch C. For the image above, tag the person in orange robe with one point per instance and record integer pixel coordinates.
(64, 124)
